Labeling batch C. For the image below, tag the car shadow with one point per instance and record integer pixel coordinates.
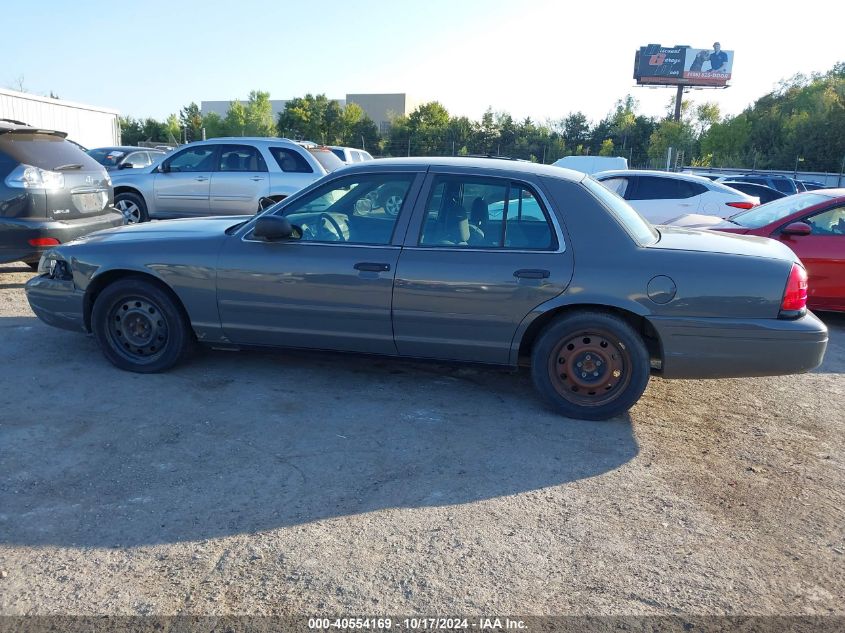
(234, 443)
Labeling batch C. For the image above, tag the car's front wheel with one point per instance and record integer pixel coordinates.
(132, 206)
(590, 365)
(139, 326)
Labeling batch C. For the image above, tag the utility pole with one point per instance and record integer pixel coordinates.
(363, 147)
(679, 97)
(841, 171)
(409, 144)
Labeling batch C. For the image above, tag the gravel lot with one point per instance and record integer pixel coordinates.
(291, 483)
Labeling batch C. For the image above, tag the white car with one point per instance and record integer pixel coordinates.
(661, 196)
(350, 155)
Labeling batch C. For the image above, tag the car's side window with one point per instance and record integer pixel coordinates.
(240, 158)
(484, 213)
(830, 222)
(137, 159)
(688, 189)
(654, 188)
(193, 159)
(289, 160)
(360, 209)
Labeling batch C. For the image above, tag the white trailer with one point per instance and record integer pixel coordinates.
(87, 125)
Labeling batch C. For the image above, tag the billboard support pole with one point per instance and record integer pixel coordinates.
(679, 96)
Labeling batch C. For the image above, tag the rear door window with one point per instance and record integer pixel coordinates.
(688, 189)
(326, 158)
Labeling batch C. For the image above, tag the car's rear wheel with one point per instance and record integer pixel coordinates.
(132, 206)
(590, 365)
(139, 326)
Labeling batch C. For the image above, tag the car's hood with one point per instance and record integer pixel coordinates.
(189, 228)
(676, 238)
(128, 175)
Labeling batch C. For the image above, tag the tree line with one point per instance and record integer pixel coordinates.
(801, 123)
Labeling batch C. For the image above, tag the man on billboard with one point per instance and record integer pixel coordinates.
(718, 58)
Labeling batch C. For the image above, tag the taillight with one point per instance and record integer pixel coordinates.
(795, 296)
(44, 241)
(741, 205)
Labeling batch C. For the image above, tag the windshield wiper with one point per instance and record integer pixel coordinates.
(68, 166)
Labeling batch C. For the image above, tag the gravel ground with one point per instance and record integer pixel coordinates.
(291, 483)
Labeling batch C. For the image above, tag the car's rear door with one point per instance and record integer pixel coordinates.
(480, 254)
(241, 178)
(183, 183)
(325, 290)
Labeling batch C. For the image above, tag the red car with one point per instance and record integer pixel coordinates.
(812, 224)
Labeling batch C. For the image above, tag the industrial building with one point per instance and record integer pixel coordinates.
(381, 108)
(90, 126)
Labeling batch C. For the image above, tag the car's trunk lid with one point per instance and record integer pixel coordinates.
(675, 238)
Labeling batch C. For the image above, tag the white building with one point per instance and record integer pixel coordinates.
(87, 125)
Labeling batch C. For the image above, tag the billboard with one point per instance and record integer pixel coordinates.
(683, 65)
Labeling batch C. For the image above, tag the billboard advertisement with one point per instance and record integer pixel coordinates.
(683, 65)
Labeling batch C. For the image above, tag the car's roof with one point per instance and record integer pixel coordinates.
(469, 163)
(833, 192)
(653, 172)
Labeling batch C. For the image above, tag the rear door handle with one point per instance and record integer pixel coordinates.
(201, 178)
(531, 273)
(372, 267)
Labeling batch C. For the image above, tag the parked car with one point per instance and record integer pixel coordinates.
(812, 224)
(568, 279)
(50, 193)
(350, 154)
(221, 176)
(592, 164)
(812, 185)
(125, 157)
(784, 184)
(662, 196)
(761, 192)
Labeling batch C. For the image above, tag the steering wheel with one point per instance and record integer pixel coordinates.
(334, 226)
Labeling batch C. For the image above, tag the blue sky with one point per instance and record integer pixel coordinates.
(537, 58)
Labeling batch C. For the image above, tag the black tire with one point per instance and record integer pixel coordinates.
(140, 327)
(132, 206)
(590, 365)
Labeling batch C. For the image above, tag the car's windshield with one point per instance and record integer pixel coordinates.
(634, 223)
(776, 210)
(107, 157)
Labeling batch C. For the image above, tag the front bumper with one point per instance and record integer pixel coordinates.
(57, 302)
(737, 348)
(15, 233)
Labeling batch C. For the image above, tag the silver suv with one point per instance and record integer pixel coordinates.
(221, 176)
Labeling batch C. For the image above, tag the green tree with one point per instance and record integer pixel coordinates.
(576, 129)
(235, 121)
(131, 131)
(606, 148)
(190, 119)
(214, 125)
(258, 115)
(172, 129)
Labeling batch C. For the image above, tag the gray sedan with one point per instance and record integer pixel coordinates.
(487, 261)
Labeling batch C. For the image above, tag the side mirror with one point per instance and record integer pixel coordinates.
(265, 203)
(797, 228)
(272, 228)
(126, 166)
(163, 168)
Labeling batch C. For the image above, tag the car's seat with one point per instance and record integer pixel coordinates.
(233, 162)
(479, 222)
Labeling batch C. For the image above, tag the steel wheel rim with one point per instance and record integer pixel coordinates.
(137, 329)
(590, 368)
(130, 211)
(393, 204)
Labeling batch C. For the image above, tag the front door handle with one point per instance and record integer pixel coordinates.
(531, 273)
(256, 178)
(372, 267)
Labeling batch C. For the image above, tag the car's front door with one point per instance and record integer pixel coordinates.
(823, 253)
(182, 183)
(330, 285)
(240, 180)
(479, 256)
